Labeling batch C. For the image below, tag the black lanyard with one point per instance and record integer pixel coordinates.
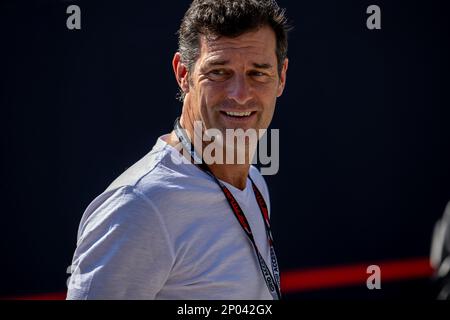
(272, 285)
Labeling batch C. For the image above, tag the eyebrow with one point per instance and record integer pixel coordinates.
(225, 62)
(262, 65)
(217, 63)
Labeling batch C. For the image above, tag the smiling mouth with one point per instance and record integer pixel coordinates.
(238, 115)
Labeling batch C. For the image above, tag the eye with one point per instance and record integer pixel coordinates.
(257, 73)
(259, 76)
(218, 74)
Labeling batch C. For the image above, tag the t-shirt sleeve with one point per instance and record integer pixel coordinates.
(123, 249)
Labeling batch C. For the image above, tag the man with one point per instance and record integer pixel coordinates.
(173, 228)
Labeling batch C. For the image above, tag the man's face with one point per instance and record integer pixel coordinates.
(237, 75)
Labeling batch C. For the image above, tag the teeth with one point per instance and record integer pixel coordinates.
(239, 114)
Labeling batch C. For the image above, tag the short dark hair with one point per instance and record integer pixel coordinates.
(230, 18)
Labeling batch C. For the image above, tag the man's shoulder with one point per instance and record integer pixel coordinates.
(156, 166)
(160, 174)
(132, 175)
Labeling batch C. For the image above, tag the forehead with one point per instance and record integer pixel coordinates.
(258, 45)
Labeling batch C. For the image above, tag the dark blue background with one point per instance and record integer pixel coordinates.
(364, 128)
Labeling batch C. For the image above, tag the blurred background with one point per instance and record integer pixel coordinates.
(364, 136)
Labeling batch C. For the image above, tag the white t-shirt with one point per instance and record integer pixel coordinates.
(164, 230)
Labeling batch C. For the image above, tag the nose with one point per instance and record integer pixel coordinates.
(239, 89)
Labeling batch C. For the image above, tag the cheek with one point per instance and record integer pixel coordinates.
(268, 95)
(205, 102)
(268, 101)
(212, 95)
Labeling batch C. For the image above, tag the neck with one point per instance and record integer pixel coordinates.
(234, 174)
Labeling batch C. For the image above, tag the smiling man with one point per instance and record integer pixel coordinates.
(173, 226)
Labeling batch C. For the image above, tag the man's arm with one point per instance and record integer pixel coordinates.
(123, 250)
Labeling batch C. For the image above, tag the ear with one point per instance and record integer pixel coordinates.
(282, 83)
(181, 72)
